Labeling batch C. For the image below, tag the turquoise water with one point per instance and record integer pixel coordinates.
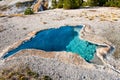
(65, 38)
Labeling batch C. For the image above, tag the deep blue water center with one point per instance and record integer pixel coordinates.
(65, 38)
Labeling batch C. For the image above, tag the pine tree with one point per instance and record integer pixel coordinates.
(96, 2)
(60, 4)
(77, 3)
(67, 4)
(102, 2)
(54, 3)
(72, 4)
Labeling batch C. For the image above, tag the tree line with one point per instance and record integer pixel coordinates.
(73, 4)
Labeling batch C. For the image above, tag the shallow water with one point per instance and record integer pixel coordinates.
(65, 38)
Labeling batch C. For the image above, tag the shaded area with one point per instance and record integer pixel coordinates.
(65, 38)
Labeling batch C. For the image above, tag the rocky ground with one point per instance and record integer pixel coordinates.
(105, 22)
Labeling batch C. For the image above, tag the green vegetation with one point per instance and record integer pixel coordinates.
(54, 3)
(21, 73)
(93, 2)
(102, 2)
(67, 4)
(109, 3)
(60, 4)
(85, 4)
(78, 3)
(46, 78)
(74, 4)
(113, 3)
(28, 11)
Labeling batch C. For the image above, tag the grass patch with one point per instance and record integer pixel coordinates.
(21, 73)
(28, 11)
(46, 78)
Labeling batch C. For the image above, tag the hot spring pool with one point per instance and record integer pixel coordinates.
(65, 38)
